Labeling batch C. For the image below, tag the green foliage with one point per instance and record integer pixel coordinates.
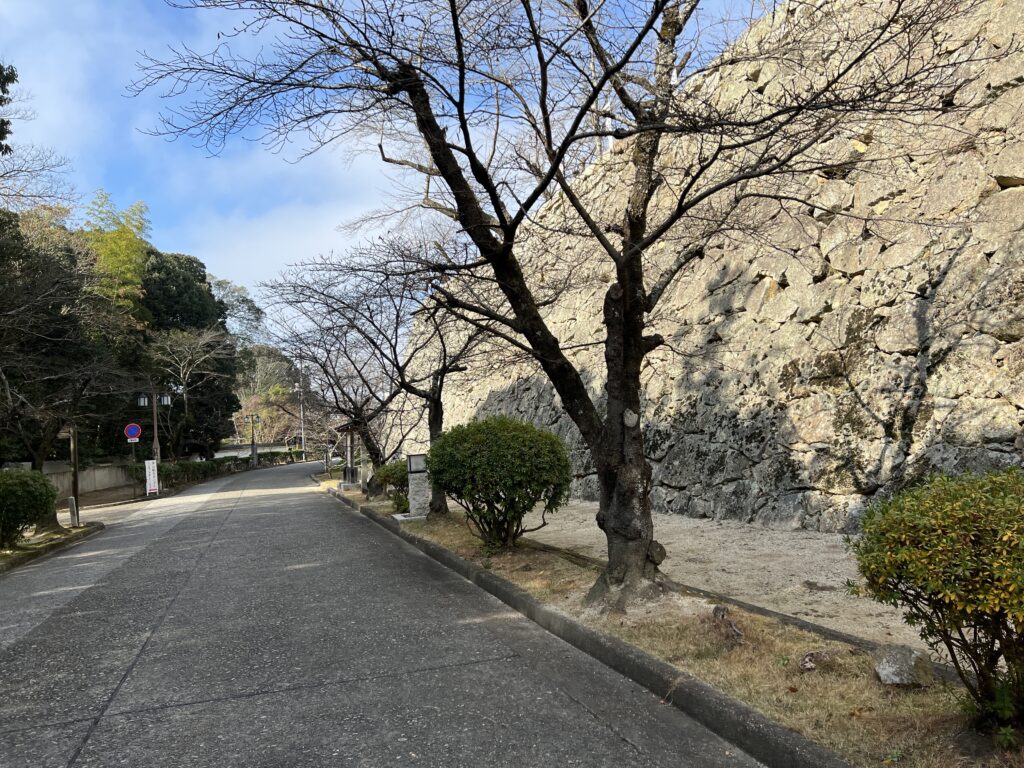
(178, 294)
(950, 553)
(189, 352)
(499, 469)
(119, 240)
(400, 503)
(175, 473)
(8, 77)
(54, 329)
(395, 476)
(26, 497)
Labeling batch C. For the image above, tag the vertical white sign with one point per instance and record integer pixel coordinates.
(152, 484)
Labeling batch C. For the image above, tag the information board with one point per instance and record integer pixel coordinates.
(152, 483)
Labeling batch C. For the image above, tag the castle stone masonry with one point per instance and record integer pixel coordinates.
(848, 348)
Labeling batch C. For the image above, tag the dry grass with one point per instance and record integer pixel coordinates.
(379, 505)
(326, 481)
(840, 704)
(32, 544)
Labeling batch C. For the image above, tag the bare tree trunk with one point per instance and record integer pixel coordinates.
(435, 424)
(623, 470)
(373, 450)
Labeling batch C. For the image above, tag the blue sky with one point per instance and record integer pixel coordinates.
(246, 213)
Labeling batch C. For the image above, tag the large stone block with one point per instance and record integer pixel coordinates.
(825, 350)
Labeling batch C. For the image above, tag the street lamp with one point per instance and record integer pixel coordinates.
(144, 400)
(252, 421)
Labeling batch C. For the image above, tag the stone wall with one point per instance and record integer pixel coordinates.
(835, 351)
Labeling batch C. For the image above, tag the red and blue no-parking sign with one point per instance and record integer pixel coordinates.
(132, 431)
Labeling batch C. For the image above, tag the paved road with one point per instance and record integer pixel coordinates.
(254, 621)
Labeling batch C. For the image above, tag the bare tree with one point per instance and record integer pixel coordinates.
(342, 372)
(186, 360)
(29, 175)
(493, 105)
(382, 295)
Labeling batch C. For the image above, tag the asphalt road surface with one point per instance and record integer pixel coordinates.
(254, 621)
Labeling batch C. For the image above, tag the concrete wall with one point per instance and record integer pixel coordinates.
(96, 478)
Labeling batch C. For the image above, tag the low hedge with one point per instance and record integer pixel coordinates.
(175, 473)
(26, 497)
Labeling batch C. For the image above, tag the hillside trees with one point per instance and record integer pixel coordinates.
(268, 384)
(80, 337)
(496, 106)
(56, 366)
(189, 352)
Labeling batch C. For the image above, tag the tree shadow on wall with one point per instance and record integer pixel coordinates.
(728, 445)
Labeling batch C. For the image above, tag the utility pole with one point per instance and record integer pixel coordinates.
(302, 414)
(156, 433)
(74, 469)
(252, 421)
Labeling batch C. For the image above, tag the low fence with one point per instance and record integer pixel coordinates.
(96, 478)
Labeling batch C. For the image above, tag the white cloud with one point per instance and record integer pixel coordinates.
(254, 242)
(246, 213)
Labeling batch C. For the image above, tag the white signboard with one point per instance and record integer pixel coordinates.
(152, 485)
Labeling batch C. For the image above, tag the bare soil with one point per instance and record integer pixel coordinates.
(801, 573)
(839, 703)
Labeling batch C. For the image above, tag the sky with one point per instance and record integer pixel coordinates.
(246, 213)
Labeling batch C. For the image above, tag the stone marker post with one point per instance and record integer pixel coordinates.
(419, 485)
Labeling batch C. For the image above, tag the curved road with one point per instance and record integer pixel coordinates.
(254, 621)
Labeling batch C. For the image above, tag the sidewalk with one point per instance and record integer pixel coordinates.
(253, 622)
(801, 573)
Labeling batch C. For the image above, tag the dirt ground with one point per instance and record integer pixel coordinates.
(801, 573)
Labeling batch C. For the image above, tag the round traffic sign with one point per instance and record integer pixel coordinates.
(132, 430)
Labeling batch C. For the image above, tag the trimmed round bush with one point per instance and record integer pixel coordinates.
(950, 553)
(26, 497)
(499, 469)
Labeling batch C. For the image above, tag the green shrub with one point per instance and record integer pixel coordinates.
(26, 497)
(950, 553)
(499, 469)
(395, 476)
(400, 503)
(174, 473)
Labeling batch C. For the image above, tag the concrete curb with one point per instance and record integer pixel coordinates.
(741, 725)
(88, 530)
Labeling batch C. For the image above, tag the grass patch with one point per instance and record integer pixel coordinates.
(840, 704)
(33, 544)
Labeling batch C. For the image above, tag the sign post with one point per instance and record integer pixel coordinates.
(133, 432)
